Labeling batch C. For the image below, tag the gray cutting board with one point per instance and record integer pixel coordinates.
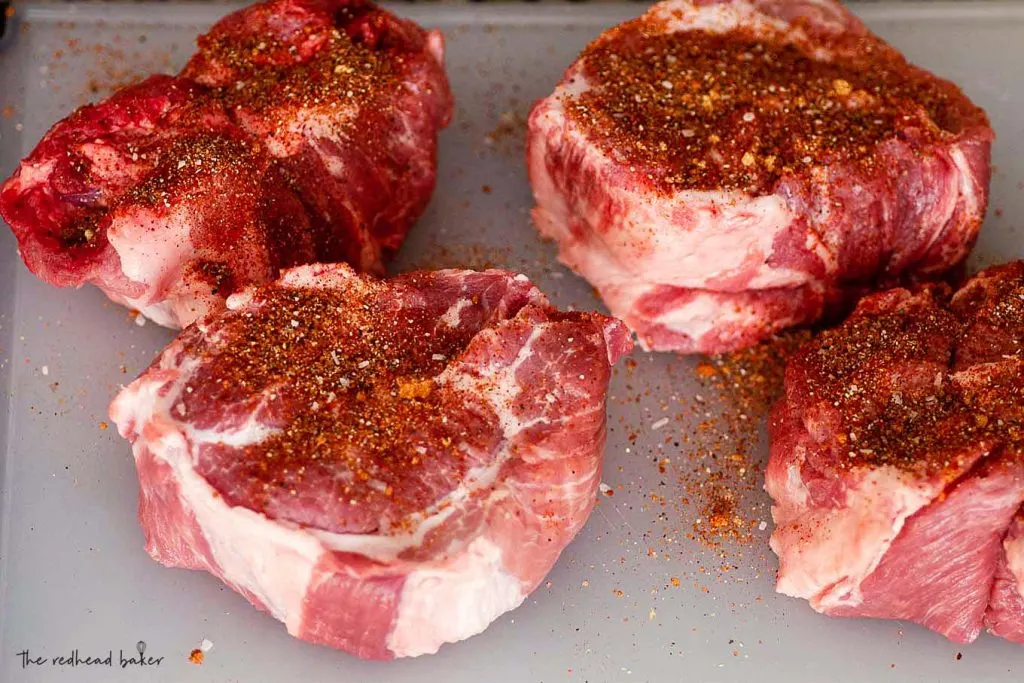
(73, 573)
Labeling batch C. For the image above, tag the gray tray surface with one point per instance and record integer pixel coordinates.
(73, 573)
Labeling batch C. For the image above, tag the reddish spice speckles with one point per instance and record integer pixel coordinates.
(721, 508)
(741, 389)
(354, 394)
(341, 74)
(192, 157)
(917, 382)
(700, 110)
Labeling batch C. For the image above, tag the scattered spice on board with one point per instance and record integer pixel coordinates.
(114, 63)
(702, 490)
(752, 378)
(702, 432)
(509, 134)
(438, 255)
(739, 390)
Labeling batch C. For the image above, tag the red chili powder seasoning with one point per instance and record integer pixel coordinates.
(738, 391)
(738, 110)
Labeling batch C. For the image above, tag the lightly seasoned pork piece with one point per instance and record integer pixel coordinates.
(897, 460)
(384, 466)
(303, 131)
(722, 170)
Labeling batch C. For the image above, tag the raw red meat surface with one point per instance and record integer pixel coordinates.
(897, 460)
(302, 131)
(723, 170)
(384, 466)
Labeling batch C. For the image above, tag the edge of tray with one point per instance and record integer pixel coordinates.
(10, 148)
(521, 13)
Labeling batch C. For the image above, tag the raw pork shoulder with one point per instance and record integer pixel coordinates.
(721, 170)
(384, 466)
(176, 192)
(897, 460)
(156, 197)
(349, 98)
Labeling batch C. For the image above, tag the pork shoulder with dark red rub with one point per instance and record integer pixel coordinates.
(349, 99)
(722, 170)
(302, 131)
(384, 466)
(897, 460)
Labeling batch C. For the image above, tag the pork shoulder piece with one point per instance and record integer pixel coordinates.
(350, 99)
(172, 194)
(384, 466)
(897, 460)
(723, 170)
(157, 198)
